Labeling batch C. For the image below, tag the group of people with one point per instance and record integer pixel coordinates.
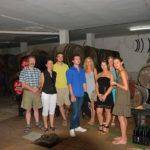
(60, 85)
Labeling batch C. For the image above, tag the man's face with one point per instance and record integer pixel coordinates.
(76, 60)
(60, 58)
(31, 62)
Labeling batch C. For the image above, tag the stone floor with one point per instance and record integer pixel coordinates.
(12, 136)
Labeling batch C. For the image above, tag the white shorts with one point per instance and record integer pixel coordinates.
(48, 103)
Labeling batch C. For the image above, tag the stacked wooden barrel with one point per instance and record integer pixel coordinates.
(11, 63)
(84, 51)
(142, 90)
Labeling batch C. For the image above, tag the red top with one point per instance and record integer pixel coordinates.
(17, 87)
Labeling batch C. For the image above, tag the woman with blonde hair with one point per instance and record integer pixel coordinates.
(91, 75)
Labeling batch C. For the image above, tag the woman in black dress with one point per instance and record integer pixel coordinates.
(104, 101)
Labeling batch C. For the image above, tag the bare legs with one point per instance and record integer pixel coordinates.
(28, 119)
(92, 120)
(51, 119)
(108, 116)
(123, 127)
(36, 115)
(101, 120)
(45, 122)
(28, 116)
(100, 115)
(64, 113)
(113, 120)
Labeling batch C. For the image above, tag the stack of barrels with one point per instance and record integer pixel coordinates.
(10, 64)
(84, 51)
(142, 89)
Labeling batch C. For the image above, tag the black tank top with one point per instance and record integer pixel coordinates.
(49, 82)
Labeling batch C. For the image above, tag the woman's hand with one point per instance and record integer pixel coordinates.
(100, 97)
(113, 83)
(104, 97)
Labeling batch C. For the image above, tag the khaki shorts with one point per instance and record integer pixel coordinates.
(63, 97)
(93, 96)
(31, 100)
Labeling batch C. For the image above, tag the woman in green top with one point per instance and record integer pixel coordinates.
(122, 107)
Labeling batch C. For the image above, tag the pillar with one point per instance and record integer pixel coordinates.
(90, 39)
(63, 36)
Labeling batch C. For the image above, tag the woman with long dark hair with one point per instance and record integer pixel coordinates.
(104, 101)
(122, 107)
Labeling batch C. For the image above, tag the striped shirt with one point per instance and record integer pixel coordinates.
(30, 77)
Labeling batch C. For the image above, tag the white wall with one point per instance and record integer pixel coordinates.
(125, 45)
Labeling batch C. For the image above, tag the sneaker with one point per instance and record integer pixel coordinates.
(80, 129)
(72, 133)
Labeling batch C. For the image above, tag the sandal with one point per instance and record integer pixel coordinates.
(27, 129)
(113, 124)
(100, 128)
(39, 125)
(53, 128)
(105, 128)
(45, 129)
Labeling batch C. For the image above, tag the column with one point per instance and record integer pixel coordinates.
(90, 39)
(23, 46)
(63, 36)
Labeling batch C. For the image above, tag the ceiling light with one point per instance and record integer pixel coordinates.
(136, 28)
(29, 32)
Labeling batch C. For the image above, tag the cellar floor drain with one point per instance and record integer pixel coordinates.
(48, 140)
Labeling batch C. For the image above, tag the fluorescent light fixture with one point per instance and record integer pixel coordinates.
(29, 32)
(136, 28)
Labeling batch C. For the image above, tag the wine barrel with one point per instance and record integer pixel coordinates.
(132, 85)
(141, 95)
(2, 63)
(41, 57)
(144, 76)
(11, 62)
(59, 48)
(69, 50)
(148, 60)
